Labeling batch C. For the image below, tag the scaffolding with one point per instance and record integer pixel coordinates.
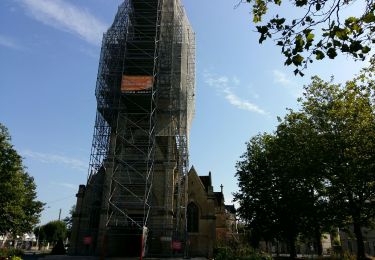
(145, 105)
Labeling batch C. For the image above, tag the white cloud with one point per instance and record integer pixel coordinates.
(216, 81)
(241, 103)
(281, 78)
(236, 81)
(56, 159)
(8, 42)
(223, 85)
(66, 185)
(67, 17)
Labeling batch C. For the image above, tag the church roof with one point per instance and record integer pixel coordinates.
(219, 198)
(230, 209)
(206, 181)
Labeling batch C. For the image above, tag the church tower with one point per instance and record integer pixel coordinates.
(135, 198)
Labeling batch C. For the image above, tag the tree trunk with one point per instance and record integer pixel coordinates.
(292, 247)
(4, 240)
(277, 249)
(318, 240)
(359, 237)
(266, 241)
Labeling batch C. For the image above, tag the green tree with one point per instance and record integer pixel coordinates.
(344, 116)
(297, 176)
(317, 170)
(53, 231)
(275, 194)
(68, 220)
(19, 209)
(256, 194)
(319, 29)
(39, 233)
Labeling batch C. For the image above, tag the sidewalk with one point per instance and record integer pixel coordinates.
(66, 257)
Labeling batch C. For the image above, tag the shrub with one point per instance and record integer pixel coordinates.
(239, 253)
(223, 253)
(348, 256)
(5, 253)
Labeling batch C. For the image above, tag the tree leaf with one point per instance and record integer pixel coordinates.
(366, 49)
(331, 53)
(310, 37)
(369, 18)
(300, 2)
(297, 60)
(319, 55)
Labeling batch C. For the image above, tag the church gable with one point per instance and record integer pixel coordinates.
(200, 214)
(195, 185)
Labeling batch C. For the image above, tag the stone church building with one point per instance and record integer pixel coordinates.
(209, 221)
(141, 198)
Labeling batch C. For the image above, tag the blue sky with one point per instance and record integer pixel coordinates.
(49, 52)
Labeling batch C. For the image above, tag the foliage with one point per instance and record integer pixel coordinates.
(345, 119)
(3, 252)
(223, 253)
(321, 30)
(68, 220)
(256, 196)
(11, 252)
(52, 231)
(317, 170)
(343, 256)
(39, 233)
(239, 253)
(19, 209)
(273, 170)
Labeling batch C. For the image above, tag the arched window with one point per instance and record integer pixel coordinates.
(192, 218)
